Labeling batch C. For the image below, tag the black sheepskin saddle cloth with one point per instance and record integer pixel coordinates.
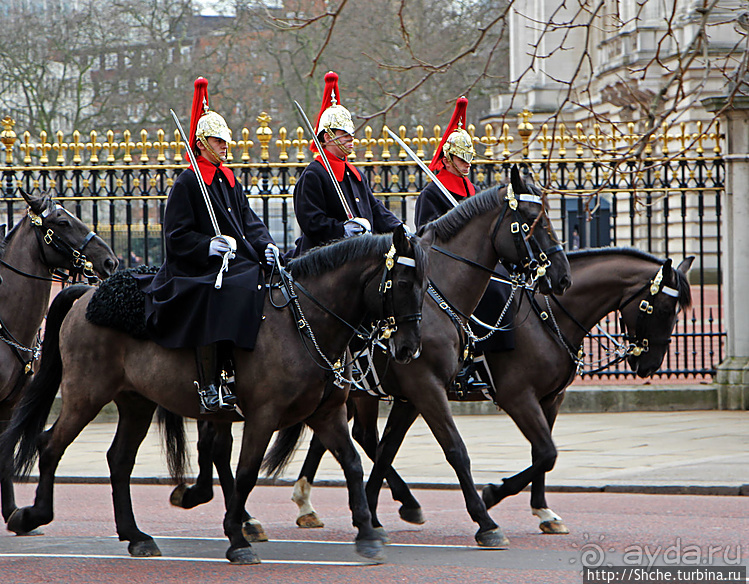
(118, 303)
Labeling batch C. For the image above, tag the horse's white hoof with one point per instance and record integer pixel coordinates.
(310, 520)
(553, 527)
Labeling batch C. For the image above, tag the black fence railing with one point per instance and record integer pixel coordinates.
(669, 207)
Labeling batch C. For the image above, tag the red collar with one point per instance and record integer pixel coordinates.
(339, 166)
(208, 171)
(456, 184)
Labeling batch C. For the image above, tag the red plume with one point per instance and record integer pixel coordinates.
(199, 107)
(459, 116)
(331, 87)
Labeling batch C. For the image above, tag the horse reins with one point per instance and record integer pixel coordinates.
(382, 328)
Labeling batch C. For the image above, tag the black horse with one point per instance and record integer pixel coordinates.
(48, 244)
(277, 384)
(531, 381)
(470, 240)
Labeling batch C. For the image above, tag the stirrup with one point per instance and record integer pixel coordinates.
(210, 400)
(226, 399)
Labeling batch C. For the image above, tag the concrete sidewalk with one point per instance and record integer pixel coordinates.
(697, 452)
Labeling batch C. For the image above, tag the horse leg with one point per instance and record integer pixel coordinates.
(528, 415)
(7, 493)
(52, 445)
(308, 517)
(549, 522)
(435, 410)
(202, 491)
(135, 414)
(332, 429)
(365, 432)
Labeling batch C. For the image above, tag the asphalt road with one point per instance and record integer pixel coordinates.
(80, 545)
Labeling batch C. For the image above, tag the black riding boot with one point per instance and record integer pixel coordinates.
(467, 380)
(213, 394)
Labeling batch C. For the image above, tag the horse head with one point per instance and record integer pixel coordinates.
(66, 242)
(400, 294)
(649, 317)
(537, 248)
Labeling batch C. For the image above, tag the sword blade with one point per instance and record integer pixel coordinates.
(447, 194)
(324, 159)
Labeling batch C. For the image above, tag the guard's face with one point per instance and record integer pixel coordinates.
(216, 150)
(340, 144)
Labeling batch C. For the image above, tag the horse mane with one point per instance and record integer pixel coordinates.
(682, 283)
(447, 226)
(8, 237)
(323, 259)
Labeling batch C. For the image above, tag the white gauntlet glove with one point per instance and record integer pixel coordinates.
(271, 253)
(356, 226)
(220, 244)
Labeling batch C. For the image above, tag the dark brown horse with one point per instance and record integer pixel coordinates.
(469, 241)
(48, 239)
(531, 381)
(282, 382)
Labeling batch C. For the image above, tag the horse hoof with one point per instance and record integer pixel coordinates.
(554, 527)
(494, 538)
(178, 495)
(242, 556)
(146, 548)
(309, 520)
(412, 515)
(16, 524)
(384, 537)
(372, 549)
(253, 531)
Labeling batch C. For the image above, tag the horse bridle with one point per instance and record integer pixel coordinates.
(639, 343)
(382, 328)
(79, 262)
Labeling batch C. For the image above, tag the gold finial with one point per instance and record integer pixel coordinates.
(161, 145)
(27, 147)
(264, 134)
(402, 134)
(505, 139)
(110, 145)
(8, 138)
(436, 139)
(177, 144)
(545, 140)
(699, 136)
(283, 143)
(563, 139)
(420, 141)
(76, 146)
(127, 146)
(144, 146)
(385, 142)
(525, 129)
(300, 143)
(579, 139)
(489, 140)
(245, 144)
(61, 147)
(368, 142)
(93, 147)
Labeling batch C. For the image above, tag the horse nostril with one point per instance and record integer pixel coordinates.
(110, 265)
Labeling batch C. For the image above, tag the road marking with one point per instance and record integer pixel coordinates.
(176, 559)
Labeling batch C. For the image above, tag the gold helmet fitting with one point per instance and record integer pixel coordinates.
(460, 144)
(336, 117)
(212, 125)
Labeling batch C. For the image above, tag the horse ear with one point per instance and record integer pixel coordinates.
(685, 265)
(426, 236)
(37, 203)
(400, 240)
(517, 182)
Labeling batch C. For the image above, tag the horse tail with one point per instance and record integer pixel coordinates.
(279, 455)
(173, 429)
(31, 413)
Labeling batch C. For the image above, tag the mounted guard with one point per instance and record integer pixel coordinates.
(209, 292)
(452, 166)
(336, 203)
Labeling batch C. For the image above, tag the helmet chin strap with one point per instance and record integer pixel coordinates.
(449, 158)
(337, 141)
(210, 149)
